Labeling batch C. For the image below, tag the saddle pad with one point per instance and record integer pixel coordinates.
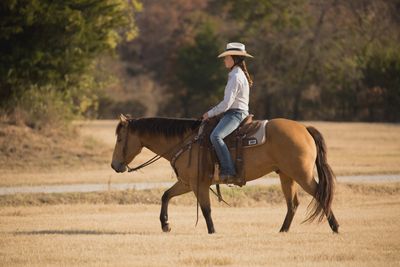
(258, 137)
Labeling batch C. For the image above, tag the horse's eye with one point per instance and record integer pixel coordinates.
(119, 140)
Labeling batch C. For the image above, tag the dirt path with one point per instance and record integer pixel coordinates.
(150, 185)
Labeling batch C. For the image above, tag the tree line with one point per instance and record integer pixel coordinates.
(314, 59)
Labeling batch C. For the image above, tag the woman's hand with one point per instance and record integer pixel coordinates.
(205, 116)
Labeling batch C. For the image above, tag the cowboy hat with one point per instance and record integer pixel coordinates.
(235, 49)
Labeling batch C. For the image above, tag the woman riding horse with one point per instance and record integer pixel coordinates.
(235, 105)
(290, 148)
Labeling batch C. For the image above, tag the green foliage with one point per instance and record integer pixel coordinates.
(200, 72)
(313, 59)
(381, 77)
(42, 106)
(44, 42)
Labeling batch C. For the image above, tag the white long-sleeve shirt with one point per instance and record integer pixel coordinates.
(236, 93)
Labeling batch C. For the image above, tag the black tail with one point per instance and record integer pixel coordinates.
(326, 180)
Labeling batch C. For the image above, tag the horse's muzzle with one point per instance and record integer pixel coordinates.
(118, 167)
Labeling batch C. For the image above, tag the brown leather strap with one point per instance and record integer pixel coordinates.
(239, 159)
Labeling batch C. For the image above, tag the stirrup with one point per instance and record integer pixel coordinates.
(227, 178)
(233, 180)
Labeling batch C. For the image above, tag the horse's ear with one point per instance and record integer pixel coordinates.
(123, 118)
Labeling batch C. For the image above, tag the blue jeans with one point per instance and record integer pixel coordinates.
(228, 123)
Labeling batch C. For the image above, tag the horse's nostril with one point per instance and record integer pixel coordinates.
(114, 166)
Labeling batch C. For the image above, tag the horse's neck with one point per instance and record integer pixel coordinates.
(161, 145)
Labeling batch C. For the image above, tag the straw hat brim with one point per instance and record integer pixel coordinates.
(234, 53)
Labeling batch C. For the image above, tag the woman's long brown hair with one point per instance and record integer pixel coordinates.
(239, 61)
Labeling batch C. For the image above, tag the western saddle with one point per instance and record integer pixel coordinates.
(243, 136)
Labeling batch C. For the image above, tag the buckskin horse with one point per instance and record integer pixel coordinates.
(290, 149)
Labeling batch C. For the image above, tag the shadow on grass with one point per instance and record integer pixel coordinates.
(75, 232)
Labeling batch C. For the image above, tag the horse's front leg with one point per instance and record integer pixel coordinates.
(177, 189)
(203, 196)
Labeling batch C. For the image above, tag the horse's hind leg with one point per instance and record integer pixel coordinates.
(310, 186)
(289, 190)
(177, 189)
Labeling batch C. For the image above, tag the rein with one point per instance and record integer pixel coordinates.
(150, 161)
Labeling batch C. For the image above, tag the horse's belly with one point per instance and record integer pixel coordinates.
(256, 161)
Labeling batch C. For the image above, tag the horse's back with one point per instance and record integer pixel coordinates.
(285, 130)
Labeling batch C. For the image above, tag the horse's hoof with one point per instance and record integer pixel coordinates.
(166, 228)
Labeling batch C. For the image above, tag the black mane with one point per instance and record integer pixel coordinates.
(168, 127)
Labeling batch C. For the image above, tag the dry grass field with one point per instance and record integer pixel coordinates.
(362, 148)
(353, 149)
(112, 234)
(121, 228)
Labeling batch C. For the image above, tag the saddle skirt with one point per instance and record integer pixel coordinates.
(256, 136)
